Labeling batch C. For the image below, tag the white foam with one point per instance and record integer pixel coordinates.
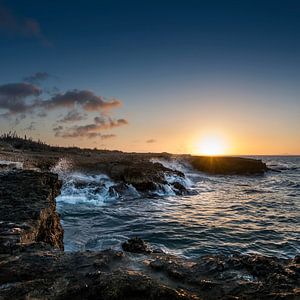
(90, 189)
(12, 164)
(62, 167)
(173, 164)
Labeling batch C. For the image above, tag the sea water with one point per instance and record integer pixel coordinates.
(221, 214)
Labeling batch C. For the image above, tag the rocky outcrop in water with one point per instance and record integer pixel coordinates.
(145, 176)
(28, 211)
(136, 245)
(228, 165)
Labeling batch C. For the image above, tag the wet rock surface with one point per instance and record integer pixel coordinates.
(136, 245)
(41, 274)
(143, 175)
(28, 211)
(228, 165)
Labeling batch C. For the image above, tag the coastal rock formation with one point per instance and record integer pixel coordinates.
(136, 245)
(86, 275)
(228, 165)
(112, 275)
(144, 175)
(33, 266)
(28, 211)
(234, 277)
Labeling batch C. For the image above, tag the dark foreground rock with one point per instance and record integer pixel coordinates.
(28, 211)
(116, 275)
(228, 165)
(32, 266)
(136, 245)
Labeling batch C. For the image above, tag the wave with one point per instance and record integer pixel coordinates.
(178, 165)
(8, 165)
(62, 167)
(88, 189)
(99, 189)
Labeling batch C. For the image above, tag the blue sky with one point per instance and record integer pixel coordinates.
(179, 67)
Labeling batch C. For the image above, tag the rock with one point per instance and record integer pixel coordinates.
(105, 275)
(136, 245)
(28, 210)
(145, 176)
(228, 165)
(179, 188)
(44, 274)
(233, 277)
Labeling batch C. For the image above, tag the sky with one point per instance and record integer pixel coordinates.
(153, 76)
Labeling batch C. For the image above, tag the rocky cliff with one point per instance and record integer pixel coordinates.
(28, 211)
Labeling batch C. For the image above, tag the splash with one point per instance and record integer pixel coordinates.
(88, 189)
(7, 165)
(177, 165)
(62, 167)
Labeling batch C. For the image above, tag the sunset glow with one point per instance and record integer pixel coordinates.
(212, 145)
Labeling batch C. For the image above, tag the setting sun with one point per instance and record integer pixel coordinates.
(211, 145)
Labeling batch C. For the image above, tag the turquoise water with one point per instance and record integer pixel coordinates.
(223, 214)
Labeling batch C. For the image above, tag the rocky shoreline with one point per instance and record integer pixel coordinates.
(28, 210)
(34, 266)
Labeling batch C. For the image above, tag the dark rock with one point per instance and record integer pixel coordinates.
(28, 210)
(136, 245)
(107, 275)
(179, 188)
(145, 176)
(233, 277)
(228, 165)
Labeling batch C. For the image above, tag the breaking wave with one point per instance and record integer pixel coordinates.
(99, 189)
(90, 189)
(7, 165)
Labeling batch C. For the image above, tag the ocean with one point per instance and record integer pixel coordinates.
(220, 215)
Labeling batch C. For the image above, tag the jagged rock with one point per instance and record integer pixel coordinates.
(42, 274)
(136, 245)
(28, 210)
(233, 277)
(228, 165)
(145, 176)
(179, 188)
(105, 275)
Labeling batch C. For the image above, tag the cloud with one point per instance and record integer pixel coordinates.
(103, 123)
(107, 136)
(13, 97)
(20, 26)
(19, 90)
(91, 130)
(18, 100)
(31, 127)
(36, 77)
(83, 98)
(58, 128)
(151, 141)
(42, 114)
(73, 116)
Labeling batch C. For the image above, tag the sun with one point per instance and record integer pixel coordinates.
(211, 145)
